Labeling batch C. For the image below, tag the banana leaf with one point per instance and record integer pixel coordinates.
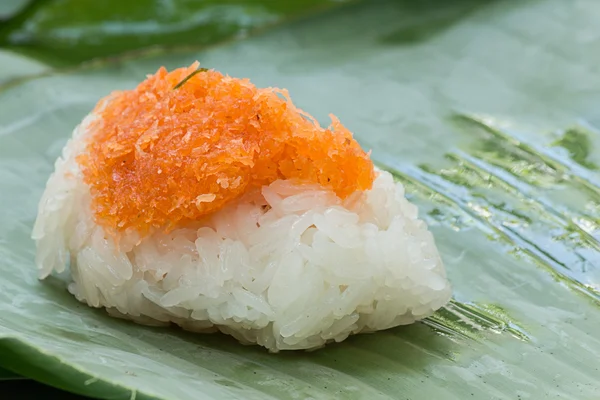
(64, 32)
(15, 67)
(486, 110)
(8, 8)
(6, 375)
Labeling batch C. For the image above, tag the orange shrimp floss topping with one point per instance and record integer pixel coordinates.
(167, 153)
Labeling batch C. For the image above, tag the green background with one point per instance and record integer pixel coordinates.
(486, 110)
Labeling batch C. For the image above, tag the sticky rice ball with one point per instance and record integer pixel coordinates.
(201, 200)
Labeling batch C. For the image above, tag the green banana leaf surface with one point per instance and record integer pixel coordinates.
(6, 375)
(9, 8)
(487, 111)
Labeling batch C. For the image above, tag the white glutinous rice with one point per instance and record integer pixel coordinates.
(287, 267)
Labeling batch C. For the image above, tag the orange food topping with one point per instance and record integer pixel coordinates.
(159, 156)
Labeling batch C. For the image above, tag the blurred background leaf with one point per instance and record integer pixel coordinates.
(64, 32)
(8, 8)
